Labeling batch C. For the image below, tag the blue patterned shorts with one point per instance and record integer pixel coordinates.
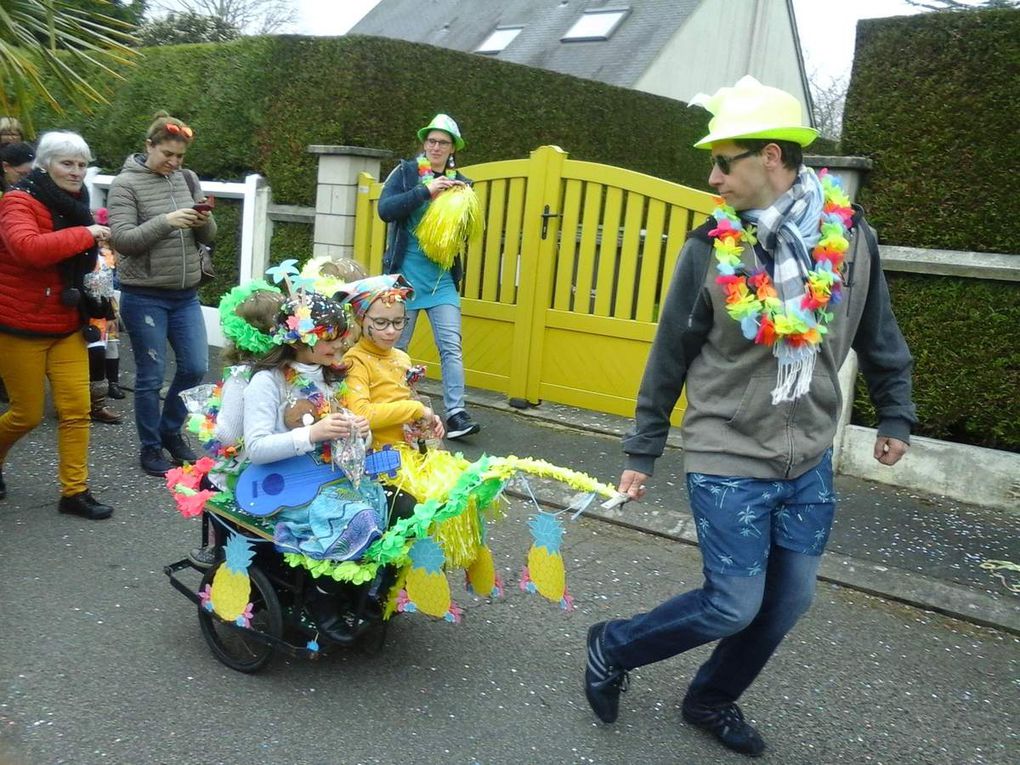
(740, 519)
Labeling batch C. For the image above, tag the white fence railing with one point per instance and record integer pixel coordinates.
(256, 229)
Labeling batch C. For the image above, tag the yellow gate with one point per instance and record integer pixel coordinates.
(561, 294)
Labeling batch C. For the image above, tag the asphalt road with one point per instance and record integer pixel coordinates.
(102, 662)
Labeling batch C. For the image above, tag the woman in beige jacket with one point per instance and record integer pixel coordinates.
(156, 230)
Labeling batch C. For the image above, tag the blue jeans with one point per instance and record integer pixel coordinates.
(749, 612)
(151, 320)
(445, 321)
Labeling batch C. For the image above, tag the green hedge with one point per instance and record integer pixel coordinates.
(257, 103)
(933, 101)
(962, 334)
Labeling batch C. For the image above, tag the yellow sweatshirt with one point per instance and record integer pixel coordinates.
(378, 391)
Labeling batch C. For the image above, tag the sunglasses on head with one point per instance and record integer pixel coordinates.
(175, 129)
(725, 163)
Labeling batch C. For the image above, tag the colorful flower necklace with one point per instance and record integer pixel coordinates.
(307, 389)
(427, 174)
(752, 300)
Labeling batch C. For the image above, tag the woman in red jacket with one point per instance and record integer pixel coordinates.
(47, 245)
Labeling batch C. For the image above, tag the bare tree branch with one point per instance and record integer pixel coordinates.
(257, 17)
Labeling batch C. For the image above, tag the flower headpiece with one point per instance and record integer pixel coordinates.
(389, 287)
(306, 316)
(242, 334)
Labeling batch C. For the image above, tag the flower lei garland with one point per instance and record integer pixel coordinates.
(479, 485)
(183, 483)
(237, 330)
(307, 389)
(752, 300)
(426, 174)
(203, 424)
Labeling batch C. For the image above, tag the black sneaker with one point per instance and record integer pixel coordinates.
(459, 425)
(727, 724)
(603, 682)
(180, 450)
(203, 557)
(86, 506)
(153, 462)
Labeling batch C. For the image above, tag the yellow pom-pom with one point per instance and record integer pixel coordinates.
(452, 218)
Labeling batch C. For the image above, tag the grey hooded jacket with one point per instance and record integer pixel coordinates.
(152, 253)
(730, 426)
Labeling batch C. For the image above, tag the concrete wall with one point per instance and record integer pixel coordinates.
(695, 60)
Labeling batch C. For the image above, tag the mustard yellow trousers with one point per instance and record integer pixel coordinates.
(25, 363)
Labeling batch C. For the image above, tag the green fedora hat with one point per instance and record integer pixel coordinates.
(445, 123)
(752, 110)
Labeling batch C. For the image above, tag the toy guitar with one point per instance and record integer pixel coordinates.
(265, 489)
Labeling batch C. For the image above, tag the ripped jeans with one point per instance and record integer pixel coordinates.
(153, 317)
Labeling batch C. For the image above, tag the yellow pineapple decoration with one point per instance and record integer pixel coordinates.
(425, 587)
(545, 573)
(229, 595)
(481, 575)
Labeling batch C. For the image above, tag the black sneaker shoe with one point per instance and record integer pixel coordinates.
(86, 506)
(3, 486)
(459, 425)
(203, 557)
(727, 724)
(153, 462)
(113, 390)
(180, 450)
(603, 682)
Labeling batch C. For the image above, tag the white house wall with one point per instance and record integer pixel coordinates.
(707, 53)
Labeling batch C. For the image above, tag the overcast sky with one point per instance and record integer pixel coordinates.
(827, 27)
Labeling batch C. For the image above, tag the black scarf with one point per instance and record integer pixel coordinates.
(67, 211)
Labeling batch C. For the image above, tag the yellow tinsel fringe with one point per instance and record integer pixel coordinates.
(453, 217)
(460, 537)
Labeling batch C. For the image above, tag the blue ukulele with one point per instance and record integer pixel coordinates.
(265, 489)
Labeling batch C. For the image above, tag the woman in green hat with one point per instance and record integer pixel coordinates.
(409, 190)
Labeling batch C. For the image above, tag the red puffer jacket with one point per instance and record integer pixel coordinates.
(30, 283)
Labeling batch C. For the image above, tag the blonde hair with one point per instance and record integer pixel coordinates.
(167, 128)
(11, 125)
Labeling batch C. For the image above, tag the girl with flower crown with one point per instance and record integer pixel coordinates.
(294, 405)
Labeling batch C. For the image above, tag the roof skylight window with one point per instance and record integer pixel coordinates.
(595, 25)
(499, 39)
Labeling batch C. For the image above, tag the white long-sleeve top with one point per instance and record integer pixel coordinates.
(266, 437)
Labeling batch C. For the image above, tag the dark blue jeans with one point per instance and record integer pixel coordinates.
(152, 319)
(749, 613)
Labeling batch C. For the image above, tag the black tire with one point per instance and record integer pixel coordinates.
(232, 646)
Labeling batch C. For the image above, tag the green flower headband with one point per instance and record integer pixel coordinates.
(242, 334)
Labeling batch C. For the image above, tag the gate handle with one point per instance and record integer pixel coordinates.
(546, 215)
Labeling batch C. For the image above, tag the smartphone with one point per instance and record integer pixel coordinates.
(202, 207)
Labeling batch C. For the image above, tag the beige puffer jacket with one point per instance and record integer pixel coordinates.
(154, 254)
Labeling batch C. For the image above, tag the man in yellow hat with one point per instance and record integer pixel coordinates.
(768, 298)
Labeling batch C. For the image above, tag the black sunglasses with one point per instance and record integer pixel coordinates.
(725, 164)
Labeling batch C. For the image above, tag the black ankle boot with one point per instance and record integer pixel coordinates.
(3, 486)
(323, 609)
(86, 506)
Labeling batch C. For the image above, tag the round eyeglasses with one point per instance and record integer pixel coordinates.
(378, 322)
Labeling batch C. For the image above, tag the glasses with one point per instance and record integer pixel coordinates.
(381, 324)
(438, 142)
(175, 129)
(725, 164)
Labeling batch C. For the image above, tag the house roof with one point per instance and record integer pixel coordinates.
(460, 25)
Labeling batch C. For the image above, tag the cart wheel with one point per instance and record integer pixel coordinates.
(235, 647)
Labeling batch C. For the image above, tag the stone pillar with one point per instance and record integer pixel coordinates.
(853, 171)
(336, 195)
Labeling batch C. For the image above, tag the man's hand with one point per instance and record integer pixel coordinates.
(889, 450)
(632, 483)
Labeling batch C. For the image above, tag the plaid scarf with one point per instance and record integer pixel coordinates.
(789, 230)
